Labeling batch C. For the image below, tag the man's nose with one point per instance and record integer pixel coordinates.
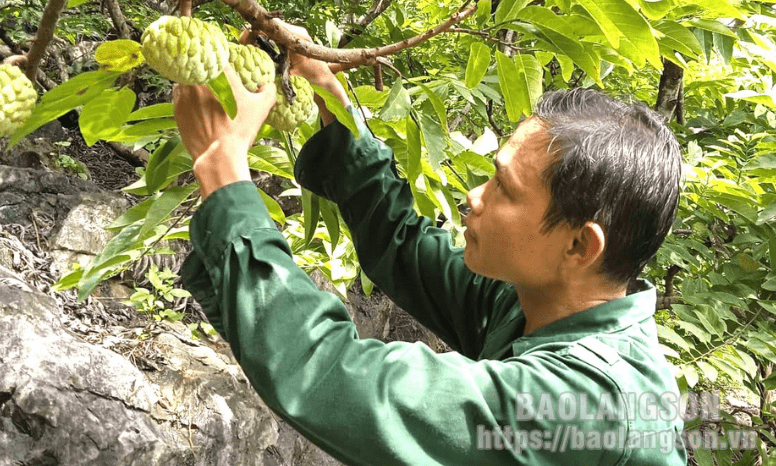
(474, 198)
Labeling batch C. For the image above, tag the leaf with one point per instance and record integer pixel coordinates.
(152, 111)
(103, 116)
(398, 104)
(532, 72)
(625, 29)
(165, 164)
(690, 374)
(724, 45)
(368, 96)
(483, 12)
(76, 3)
(68, 281)
(477, 66)
(655, 10)
(144, 129)
(69, 95)
(556, 31)
(275, 211)
(271, 160)
(334, 105)
(331, 220)
(135, 213)
(720, 8)
(673, 337)
(507, 10)
(679, 38)
(708, 370)
(414, 148)
(119, 55)
(167, 202)
(311, 212)
(435, 142)
(222, 89)
(512, 87)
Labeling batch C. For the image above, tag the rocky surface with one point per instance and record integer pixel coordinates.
(97, 383)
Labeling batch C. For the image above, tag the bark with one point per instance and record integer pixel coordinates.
(669, 94)
(45, 32)
(114, 10)
(358, 26)
(260, 19)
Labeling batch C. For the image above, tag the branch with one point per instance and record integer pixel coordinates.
(358, 27)
(260, 19)
(114, 10)
(488, 37)
(45, 32)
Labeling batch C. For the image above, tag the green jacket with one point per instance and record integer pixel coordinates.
(500, 398)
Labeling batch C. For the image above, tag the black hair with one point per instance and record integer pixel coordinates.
(613, 163)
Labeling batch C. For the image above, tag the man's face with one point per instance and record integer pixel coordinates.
(503, 236)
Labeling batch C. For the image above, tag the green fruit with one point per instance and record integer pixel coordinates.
(286, 117)
(17, 99)
(253, 65)
(185, 50)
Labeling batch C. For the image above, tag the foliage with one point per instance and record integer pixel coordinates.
(443, 115)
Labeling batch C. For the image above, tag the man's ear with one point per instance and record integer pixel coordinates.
(588, 244)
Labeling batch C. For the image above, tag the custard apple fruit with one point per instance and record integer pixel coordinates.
(185, 50)
(253, 65)
(286, 117)
(17, 99)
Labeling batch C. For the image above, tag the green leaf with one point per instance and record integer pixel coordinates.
(435, 141)
(690, 374)
(271, 160)
(144, 129)
(767, 215)
(669, 335)
(134, 214)
(76, 3)
(414, 148)
(167, 202)
(709, 371)
(655, 10)
(483, 11)
(713, 26)
(119, 55)
(703, 457)
(165, 164)
(556, 31)
(67, 96)
(311, 212)
(68, 281)
(513, 89)
(477, 66)
(628, 32)
(152, 111)
(339, 110)
(532, 73)
(275, 211)
(222, 89)
(679, 38)
(103, 116)
(724, 45)
(507, 10)
(720, 8)
(366, 284)
(398, 104)
(370, 97)
(331, 220)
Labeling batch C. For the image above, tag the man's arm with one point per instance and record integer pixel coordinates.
(363, 401)
(404, 254)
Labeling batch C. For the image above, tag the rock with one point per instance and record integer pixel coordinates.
(65, 401)
(82, 234)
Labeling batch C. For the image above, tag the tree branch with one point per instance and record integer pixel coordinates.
(45, 32)
(358, 27)
(487, 37)
(260, 19)
(114, 10)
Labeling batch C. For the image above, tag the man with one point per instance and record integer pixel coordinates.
(552, 360)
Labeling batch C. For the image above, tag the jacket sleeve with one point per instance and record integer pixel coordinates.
(408, 258)
(363, 401)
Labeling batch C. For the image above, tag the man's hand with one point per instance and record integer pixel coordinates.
(318, 73)
(219, 145)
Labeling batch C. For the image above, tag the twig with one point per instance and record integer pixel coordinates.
(45, 32)
(488, 37)
(378, 76)
(358, 27)
(260, 19)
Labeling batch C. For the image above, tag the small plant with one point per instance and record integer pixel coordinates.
(162, 295)
(68, 163)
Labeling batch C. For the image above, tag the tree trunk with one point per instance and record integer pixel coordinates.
(669, 94)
